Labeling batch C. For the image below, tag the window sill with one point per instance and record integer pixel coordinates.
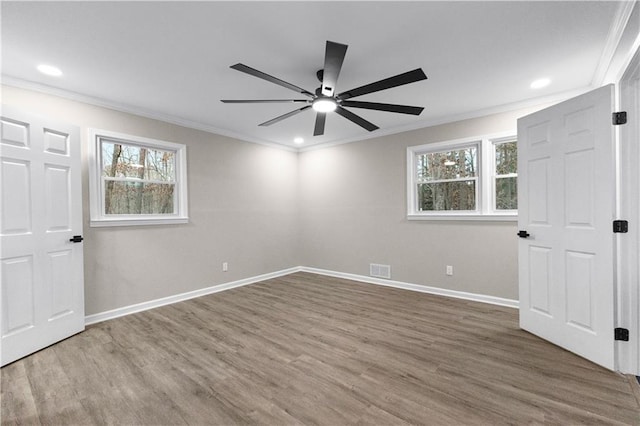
(469, 217)
(138, 222)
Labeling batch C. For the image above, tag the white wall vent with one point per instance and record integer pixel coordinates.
(380, 271)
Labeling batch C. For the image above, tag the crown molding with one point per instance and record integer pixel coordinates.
(540, 101)
(135, 110)
(130, 109)
(616, 31)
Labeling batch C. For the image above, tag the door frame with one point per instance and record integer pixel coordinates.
(628, 245)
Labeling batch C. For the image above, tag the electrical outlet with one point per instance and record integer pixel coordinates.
(449, 270)
(225, 266)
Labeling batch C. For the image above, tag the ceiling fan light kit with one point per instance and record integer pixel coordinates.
(325, 99)
(324, 104)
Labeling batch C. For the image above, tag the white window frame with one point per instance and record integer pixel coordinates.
(492, 199)
(485, 187)
(96, 187)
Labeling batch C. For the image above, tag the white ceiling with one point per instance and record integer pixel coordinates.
(171, 59)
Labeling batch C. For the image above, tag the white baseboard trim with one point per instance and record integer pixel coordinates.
(493, 300)
(139, 307)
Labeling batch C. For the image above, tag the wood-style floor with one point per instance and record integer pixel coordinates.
(307, 349)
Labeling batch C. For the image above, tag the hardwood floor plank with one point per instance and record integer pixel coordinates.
(634, 384)
(55, 398)
(308, 349)
(18, 404)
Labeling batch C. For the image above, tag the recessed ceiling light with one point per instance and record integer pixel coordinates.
(540, 83)
(49, 70)
(298, 140)
(449, 163)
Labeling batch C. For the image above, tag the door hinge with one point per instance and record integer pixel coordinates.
(620, 226)
(619, 118)
(621, 334)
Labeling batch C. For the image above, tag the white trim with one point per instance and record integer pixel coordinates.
(98, 218)
(172, 220)
(492, 300)
(462, 179)
(628, 245)
(151, 304)
(616, 31)
(485, 202)
(491, 199)
(511, 217)
(452, 118)
(136, 179)
(448, 145)
(412, 182)
(130, 109)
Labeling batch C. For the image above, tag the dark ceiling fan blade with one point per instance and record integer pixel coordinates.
(333, 58)
(356, 119)
(403, 109)
(263, 101)
(318, 130)
(270, 78)
(283, 116)
(387, 83)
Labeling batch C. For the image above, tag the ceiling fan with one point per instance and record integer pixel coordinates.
(326, 100)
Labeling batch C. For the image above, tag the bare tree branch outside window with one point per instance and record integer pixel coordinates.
(447, 180)
(137, 180)
(506, 179)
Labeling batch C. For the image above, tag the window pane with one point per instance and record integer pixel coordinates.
(506, 158)
(455, 164)
(460, 195)
(507, 193)
(121, 160)
(160, 165)
(138, 198)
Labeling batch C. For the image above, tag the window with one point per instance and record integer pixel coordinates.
(136, 181)
(472, 178)
(447, 180)
(505, 179)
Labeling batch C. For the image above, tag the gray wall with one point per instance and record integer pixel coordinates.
(242, 205)
(353, 213)
(264, 209)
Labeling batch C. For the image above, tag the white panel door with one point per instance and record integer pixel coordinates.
(42, 291)
(566, 185)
